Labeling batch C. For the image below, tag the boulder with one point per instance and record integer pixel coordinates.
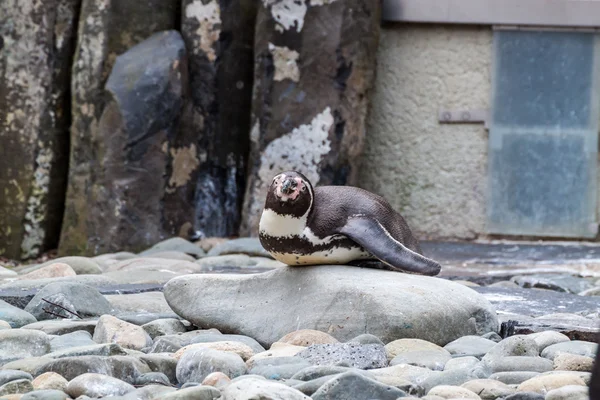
(98, 45)
(214, 140)
(314, 66)
(387, 304)
(36, 52)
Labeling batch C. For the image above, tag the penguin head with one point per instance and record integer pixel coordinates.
(290, 193)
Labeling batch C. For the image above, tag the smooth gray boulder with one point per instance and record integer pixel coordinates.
(342, 300)
(80, 300)
(14, 315)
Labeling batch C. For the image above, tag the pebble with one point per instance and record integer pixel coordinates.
(152, 378)
(197, 364)
(18, 386)
(148, 302)
(114, 330)
(366, 338)
(14, 316)
(175, 244)
(278, 368)
(363, 356)
(578, 347)
(216, 379)
(521, 363)
(50, 381)
(256, 388)
(307, 337)
(470, 346)
(453, 392)
(194, 393)
(432, 359)
(573, 362)
(238, 348)
(97, 385)
(16, 344)
(277, 350)
(488, 389)
(125, 368)
(514, 377)
(80, 299)
(8, 375)
(249, 246)
(54, 270)
(548, 338)
(461, 362)
(362, 388)
(525, 396)
(212, 263)
(69, 340)
(45, 394)
(164, 363)
(410, 345)
(166, 326)
(544, 383)
(569, 392)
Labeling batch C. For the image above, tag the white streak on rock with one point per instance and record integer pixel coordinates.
(285, 63)
(209, 19)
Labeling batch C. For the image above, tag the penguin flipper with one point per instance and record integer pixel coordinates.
(375, 239)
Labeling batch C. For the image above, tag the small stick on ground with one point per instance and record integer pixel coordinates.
(66, 309)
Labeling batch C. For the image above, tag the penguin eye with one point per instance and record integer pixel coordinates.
(303, 188)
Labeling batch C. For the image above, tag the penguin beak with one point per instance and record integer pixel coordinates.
(288, 186)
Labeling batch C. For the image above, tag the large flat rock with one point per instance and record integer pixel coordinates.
(341, 300)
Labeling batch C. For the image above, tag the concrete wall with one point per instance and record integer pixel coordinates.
(433, 174)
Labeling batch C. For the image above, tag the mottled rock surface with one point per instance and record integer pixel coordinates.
(314, 67)
(98, 46)
(311, 294)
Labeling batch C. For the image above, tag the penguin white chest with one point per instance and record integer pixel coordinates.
(309, 249)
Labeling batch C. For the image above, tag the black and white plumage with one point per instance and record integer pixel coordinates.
(302, 225)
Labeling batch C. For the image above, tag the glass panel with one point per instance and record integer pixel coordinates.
(543, 135)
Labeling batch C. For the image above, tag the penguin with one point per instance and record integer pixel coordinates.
(305, 225)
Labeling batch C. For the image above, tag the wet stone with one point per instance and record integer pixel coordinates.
(367, 356)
